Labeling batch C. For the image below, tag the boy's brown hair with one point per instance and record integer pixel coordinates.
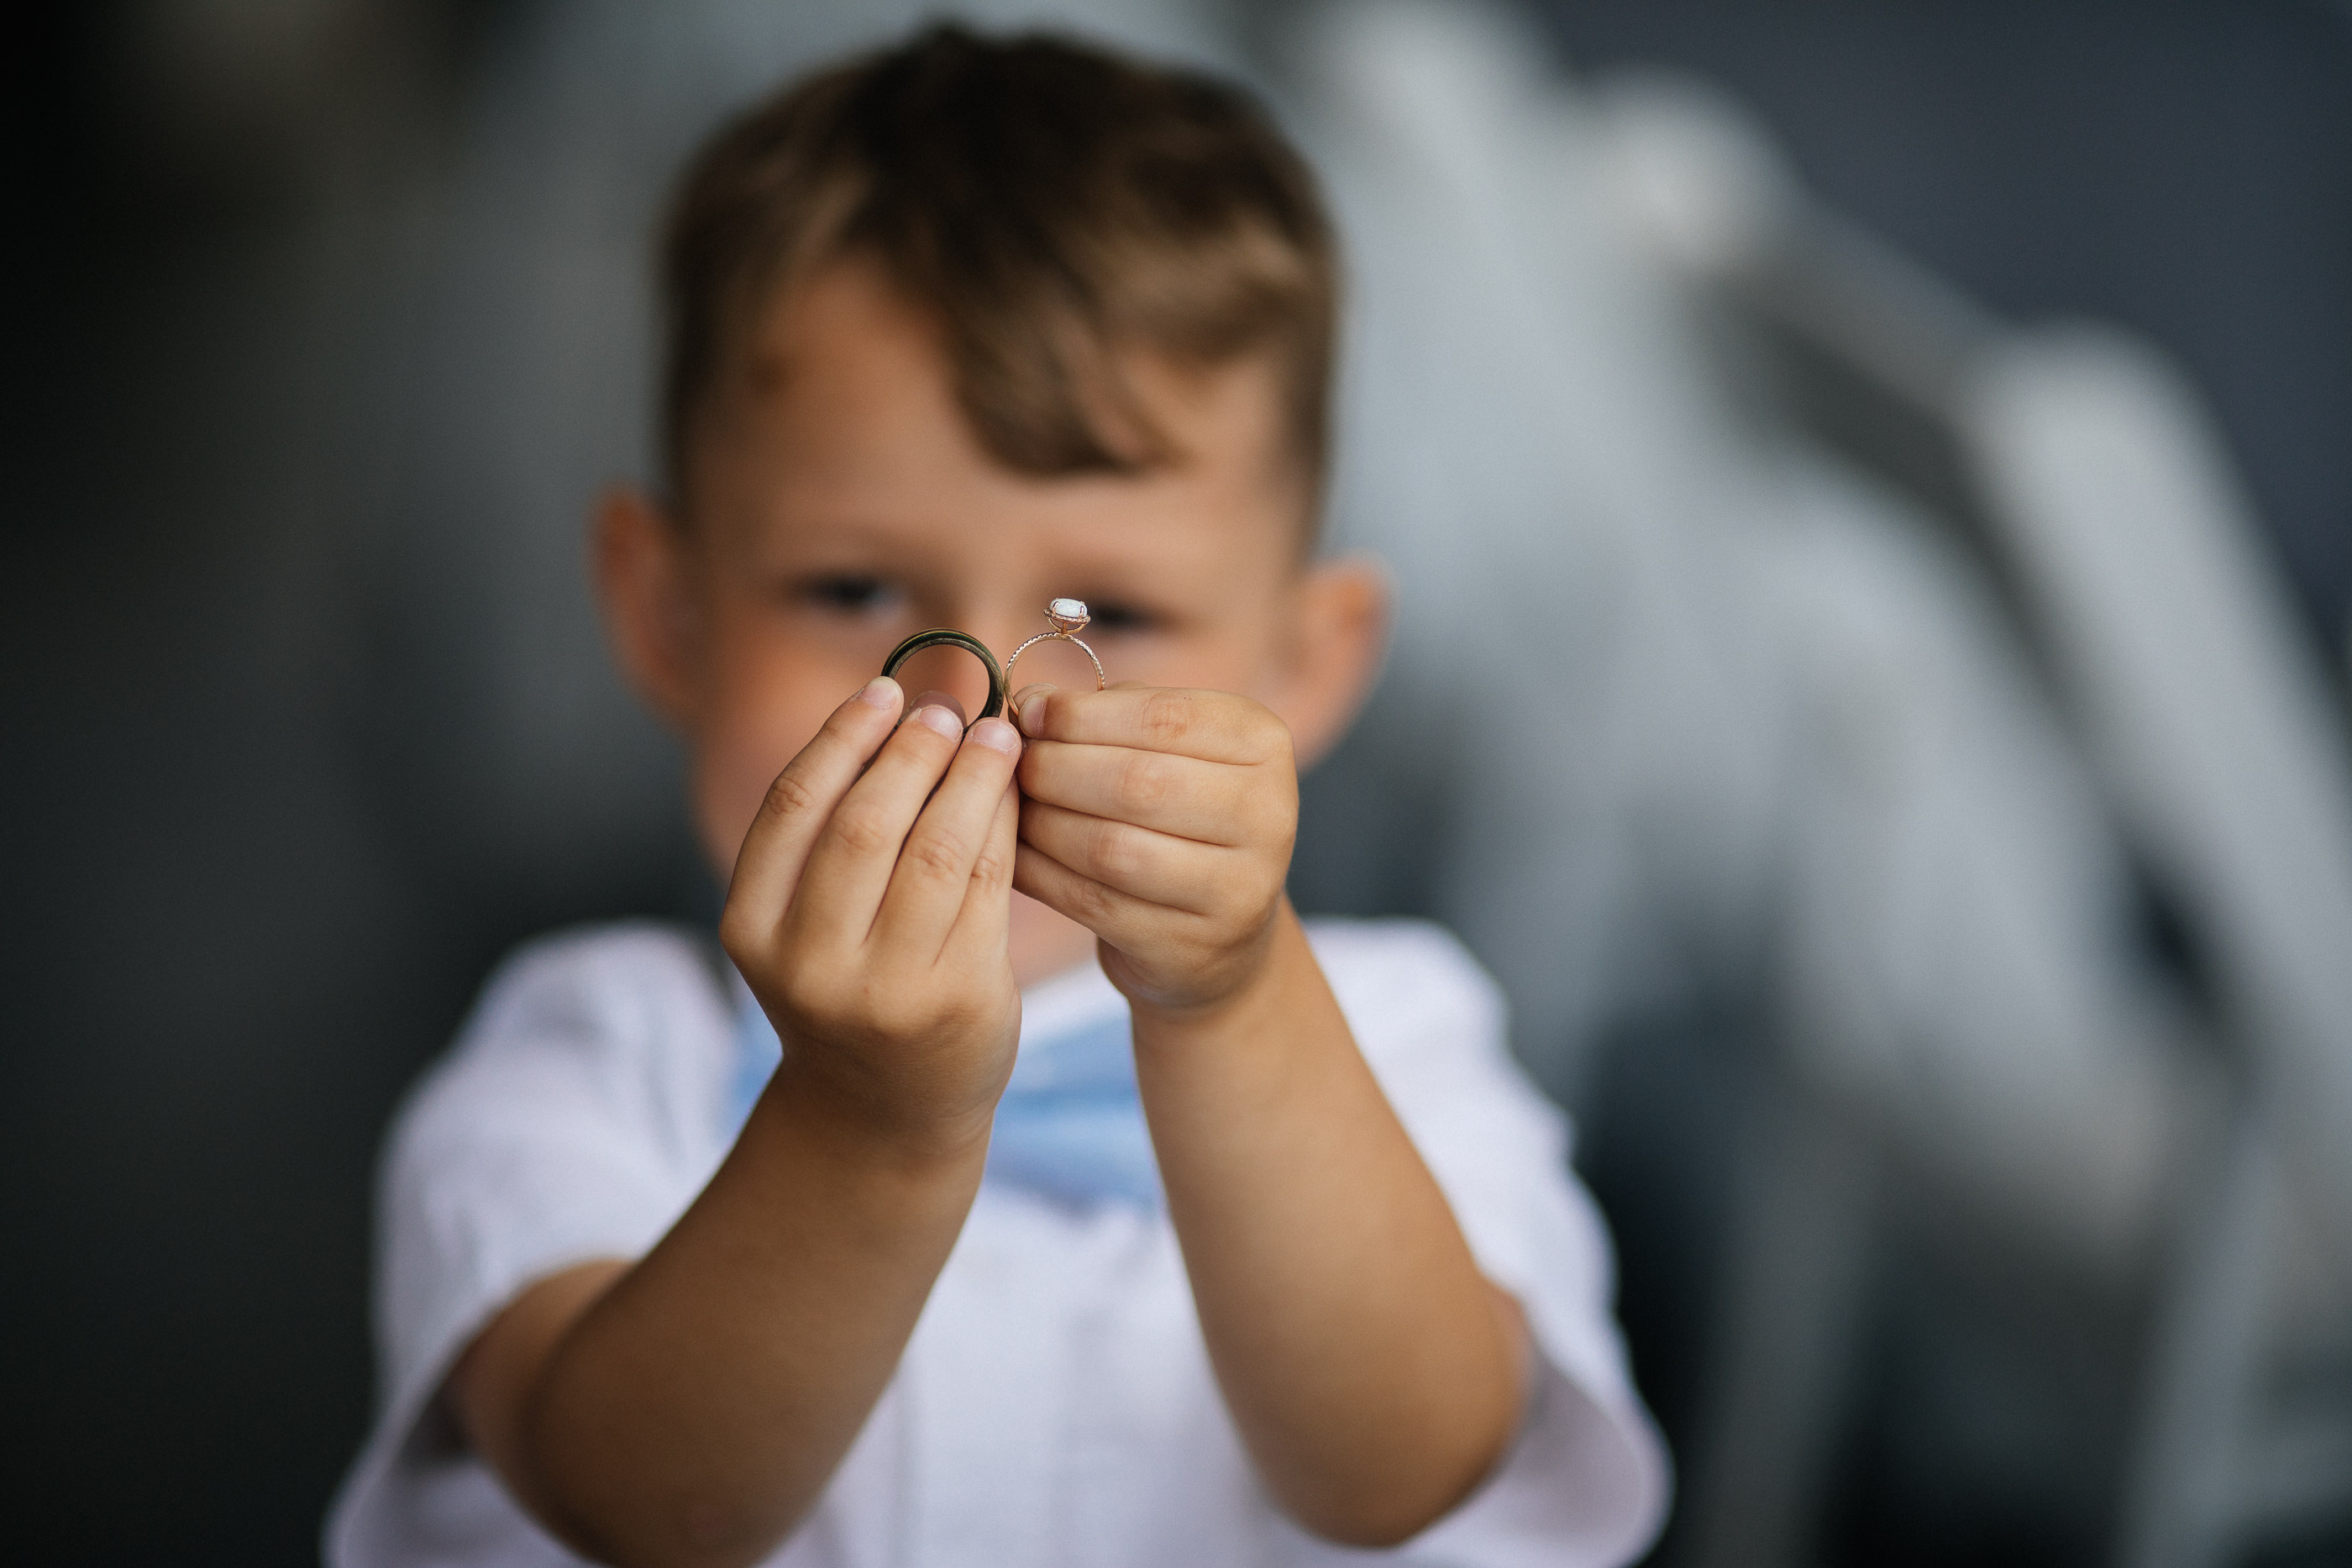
(1056, 205)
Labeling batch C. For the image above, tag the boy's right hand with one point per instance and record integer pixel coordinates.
(691, 1407)
(870, 913)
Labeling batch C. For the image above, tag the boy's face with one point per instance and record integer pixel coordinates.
(840, 501)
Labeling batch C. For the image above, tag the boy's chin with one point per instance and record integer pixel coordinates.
(1046, 943)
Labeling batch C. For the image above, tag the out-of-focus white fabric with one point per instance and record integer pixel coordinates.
(2226, 746)
(1713, 716)
(1055, 1403)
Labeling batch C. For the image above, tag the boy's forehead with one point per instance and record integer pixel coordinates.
(838, 319)
(845, 383)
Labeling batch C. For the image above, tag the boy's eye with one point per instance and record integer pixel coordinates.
(848, 593)
(1112, 616)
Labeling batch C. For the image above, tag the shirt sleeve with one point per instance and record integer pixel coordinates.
(1586, 1481)
(562, 1127)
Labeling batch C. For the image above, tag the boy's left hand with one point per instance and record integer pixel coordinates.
(1162, 821)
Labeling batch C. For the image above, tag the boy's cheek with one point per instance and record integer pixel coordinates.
(735, 756)
(726, 793)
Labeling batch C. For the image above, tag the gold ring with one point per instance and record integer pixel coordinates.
(1063, 617)
(942, 636)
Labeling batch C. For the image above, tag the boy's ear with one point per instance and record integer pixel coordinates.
(638, 556)
(1338, 635)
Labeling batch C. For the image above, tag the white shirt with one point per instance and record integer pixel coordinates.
(1054, 1404)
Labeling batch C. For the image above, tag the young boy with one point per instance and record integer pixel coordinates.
(1098, 1210)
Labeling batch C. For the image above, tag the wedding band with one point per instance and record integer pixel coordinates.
(1063, 617)
(946, 637)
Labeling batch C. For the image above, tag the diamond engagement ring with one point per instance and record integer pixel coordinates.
(1064, 618)
(944, 637)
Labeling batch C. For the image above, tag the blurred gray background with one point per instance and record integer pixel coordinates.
(327, 321)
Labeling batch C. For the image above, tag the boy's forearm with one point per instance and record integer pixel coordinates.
(695, 1412)
(1360, 1351)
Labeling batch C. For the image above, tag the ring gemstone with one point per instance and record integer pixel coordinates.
(1067, 615)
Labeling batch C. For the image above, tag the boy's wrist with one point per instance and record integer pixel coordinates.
(809, 1106)
(1278, 950)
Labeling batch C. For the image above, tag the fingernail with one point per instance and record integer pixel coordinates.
(941, 699)
(997, 736)
(1033, 707)
(879, 692)
(938, 720)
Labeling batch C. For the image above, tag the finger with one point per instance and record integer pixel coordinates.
(1176, 873)
(941, 699)
(1121, 919)
(1216, 726)
(849, 865)
(803, 796)
(983, 925)
(933, 875)
(1184, 796)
